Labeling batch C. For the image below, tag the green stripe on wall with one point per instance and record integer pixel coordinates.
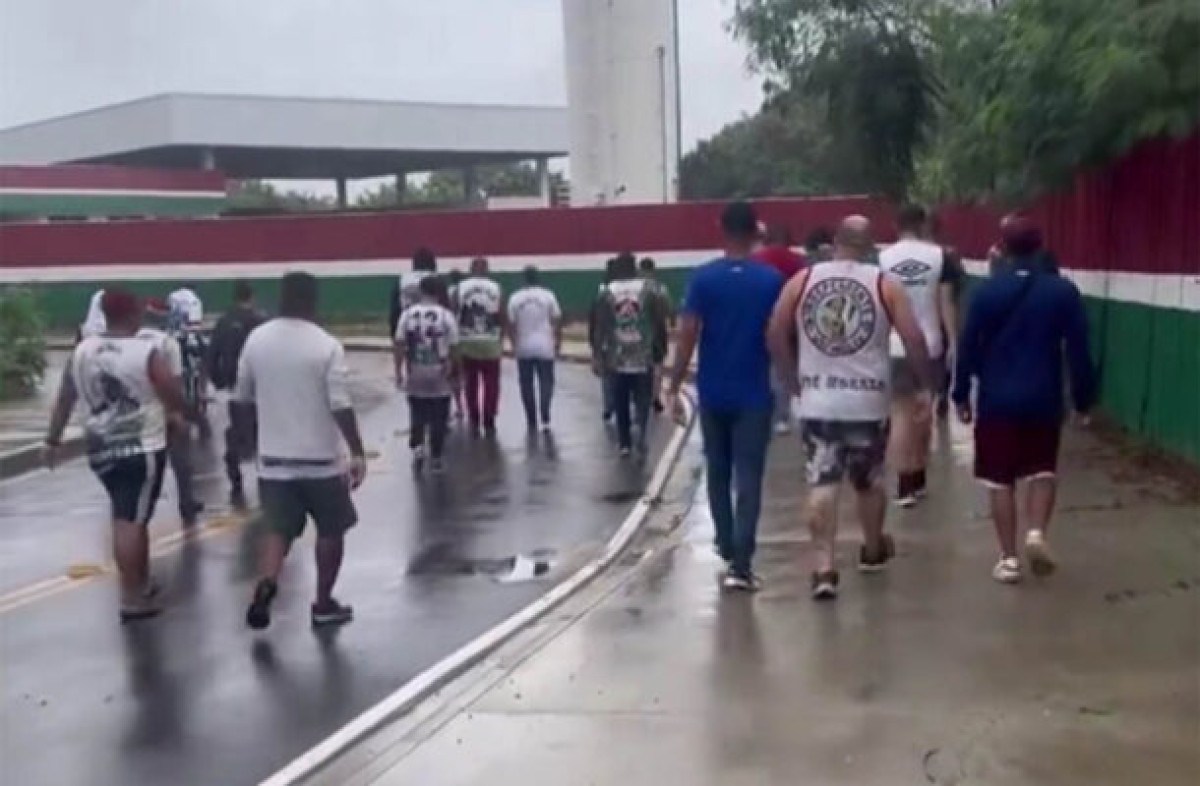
(1149, 357)
(99, 205)
(1149, 361)
(345, 299)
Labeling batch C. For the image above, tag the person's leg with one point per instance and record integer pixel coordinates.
(328, 502)
(751, 435)
(134, 486)
(623, 385)
(179, 451)
(418, 421)
(545, 374)
(1039, 467)
(284, 513)
(491, 393)
(472, 380)
(865, 446)
(610, 399)
(438, 423)
(1004, 513)
(824, 470)
(718, 459)
(997, 457)
(525, 374)
(642, 387)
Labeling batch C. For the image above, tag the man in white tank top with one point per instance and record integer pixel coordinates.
(922, 268)
(128, 388)
(829, 334)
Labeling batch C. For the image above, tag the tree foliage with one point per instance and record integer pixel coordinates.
(952, 98)
(22, 342)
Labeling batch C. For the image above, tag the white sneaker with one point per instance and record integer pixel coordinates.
(1037, 551)
(1007, 570)
(782, 428)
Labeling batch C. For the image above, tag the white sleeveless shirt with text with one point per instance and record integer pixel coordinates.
(842, 331)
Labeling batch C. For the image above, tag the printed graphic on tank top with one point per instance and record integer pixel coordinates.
(843, 327)
(632, 338)
(429, 332)
(919, 266)
(124, 418)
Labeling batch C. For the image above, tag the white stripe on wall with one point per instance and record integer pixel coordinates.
(1161, 290)
(1158, 290)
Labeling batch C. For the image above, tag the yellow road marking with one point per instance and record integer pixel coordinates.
(81, 574)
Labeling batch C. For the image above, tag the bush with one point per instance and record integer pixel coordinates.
(22, 343)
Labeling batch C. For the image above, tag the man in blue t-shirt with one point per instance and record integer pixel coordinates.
(726, 310)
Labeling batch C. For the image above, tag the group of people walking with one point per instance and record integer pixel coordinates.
(863, 341)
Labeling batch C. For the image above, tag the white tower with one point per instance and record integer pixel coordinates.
(623, 96)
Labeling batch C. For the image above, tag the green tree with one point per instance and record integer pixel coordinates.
(863, 63)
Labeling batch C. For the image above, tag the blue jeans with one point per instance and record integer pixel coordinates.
(735, 450)
(529, 369)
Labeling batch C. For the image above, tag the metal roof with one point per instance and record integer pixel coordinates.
(290, 137)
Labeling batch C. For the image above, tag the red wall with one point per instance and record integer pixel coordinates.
(647, 228)
(1141, 215)
(115, 178)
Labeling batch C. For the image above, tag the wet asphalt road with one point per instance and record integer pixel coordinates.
(195, 698)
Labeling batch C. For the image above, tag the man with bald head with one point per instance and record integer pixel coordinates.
(829, 335)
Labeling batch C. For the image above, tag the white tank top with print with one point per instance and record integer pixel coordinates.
(842, 329)
(124, 417)
(918, 265)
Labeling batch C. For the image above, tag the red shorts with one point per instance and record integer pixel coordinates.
(1010, 450)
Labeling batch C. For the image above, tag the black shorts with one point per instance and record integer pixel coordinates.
(133, 485)
(288, 504)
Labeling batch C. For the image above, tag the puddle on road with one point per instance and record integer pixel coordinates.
(533, 566)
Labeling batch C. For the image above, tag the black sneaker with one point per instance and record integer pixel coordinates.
(191, 513)
(237, 497)
(906, 490)
(489, 428)
(258, 616)
(145, 605)
(332, 613)
(876, 563)
(825, 585)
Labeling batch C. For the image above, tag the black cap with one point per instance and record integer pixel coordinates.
(739, 220)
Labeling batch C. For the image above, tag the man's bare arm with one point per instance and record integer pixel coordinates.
(781, 330)
(64, 404)
(948, 310)
(906, 326)
(685, 347)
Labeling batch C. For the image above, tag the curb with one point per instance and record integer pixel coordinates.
(424, 685)
(27, 458)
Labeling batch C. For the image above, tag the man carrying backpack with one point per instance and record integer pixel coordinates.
(224, 352)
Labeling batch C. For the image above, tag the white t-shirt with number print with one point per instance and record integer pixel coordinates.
(531, 313)
(429, 334)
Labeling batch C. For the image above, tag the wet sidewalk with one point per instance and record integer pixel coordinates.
(928, 674)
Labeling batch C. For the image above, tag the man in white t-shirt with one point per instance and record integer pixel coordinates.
(426, 354)
(535, 329)
(929, 281)
(292, 382)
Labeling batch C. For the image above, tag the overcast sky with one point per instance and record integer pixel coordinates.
(58, 56)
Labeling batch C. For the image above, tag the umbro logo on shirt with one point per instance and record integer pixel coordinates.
(912, 270)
